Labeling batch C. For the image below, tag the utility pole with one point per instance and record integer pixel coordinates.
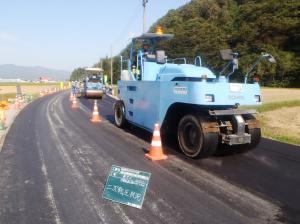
(144, 15)
(111, 66)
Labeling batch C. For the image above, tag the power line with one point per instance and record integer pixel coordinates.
(131, 19)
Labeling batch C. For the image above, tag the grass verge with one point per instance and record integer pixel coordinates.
(282, 138)
(278, 105)
(7, 96)
(276, 134)
(274, 106)
(279, 132)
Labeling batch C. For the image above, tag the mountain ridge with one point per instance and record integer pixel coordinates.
(12, 71)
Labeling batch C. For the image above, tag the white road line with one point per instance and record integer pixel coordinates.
(49, 188)
(116, 207)
(85, 109)
(77, 176)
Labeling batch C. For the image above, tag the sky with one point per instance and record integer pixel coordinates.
(66, 34)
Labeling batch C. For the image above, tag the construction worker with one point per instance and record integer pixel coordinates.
(148, 52)
(145, 49)
(136, 72)
(74, 88)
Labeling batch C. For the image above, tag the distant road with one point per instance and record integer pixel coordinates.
(55, 163)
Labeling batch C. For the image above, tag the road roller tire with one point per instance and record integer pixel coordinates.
(255, 137)
(193, 142)
(119, 114)
(254, 130)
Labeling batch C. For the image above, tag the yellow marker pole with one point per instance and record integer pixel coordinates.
(2, 117)
(3, 107)
(2, 120)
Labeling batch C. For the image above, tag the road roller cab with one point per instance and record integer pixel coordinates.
(189, 101)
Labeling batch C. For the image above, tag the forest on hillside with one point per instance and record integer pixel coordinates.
(250, 27)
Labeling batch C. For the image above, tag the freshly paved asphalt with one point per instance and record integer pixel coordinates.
(55, 163)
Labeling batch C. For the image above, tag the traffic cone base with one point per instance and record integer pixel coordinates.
(96, 118)
(71, 97)
(156, 151)
(74, 104)
(155, 158)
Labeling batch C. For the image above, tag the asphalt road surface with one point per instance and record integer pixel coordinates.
(55, 163)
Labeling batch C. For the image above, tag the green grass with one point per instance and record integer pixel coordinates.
(281, 138)
(13, 96)
(278, 105)
(274, 106)
(35, 96)
(6, 96)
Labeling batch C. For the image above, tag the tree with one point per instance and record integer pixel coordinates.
(203, 27)
(77, 74)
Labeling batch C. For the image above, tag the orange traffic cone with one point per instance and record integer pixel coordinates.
(95, 117)
(74, 103)
(156, 151)
(71, 96)
(2, 119)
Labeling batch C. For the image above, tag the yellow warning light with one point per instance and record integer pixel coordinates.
(159, 30)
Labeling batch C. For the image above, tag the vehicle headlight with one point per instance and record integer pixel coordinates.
(257, 98)
(209, 98)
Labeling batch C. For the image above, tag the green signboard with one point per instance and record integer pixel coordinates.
(126, 186)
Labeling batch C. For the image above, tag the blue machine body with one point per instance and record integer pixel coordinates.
(149, 93)
(93, 87)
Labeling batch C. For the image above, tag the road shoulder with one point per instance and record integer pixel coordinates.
(10, 116)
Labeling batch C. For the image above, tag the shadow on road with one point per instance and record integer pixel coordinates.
(269, 170)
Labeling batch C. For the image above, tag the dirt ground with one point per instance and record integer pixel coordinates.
(271, 95)
(283, 122)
